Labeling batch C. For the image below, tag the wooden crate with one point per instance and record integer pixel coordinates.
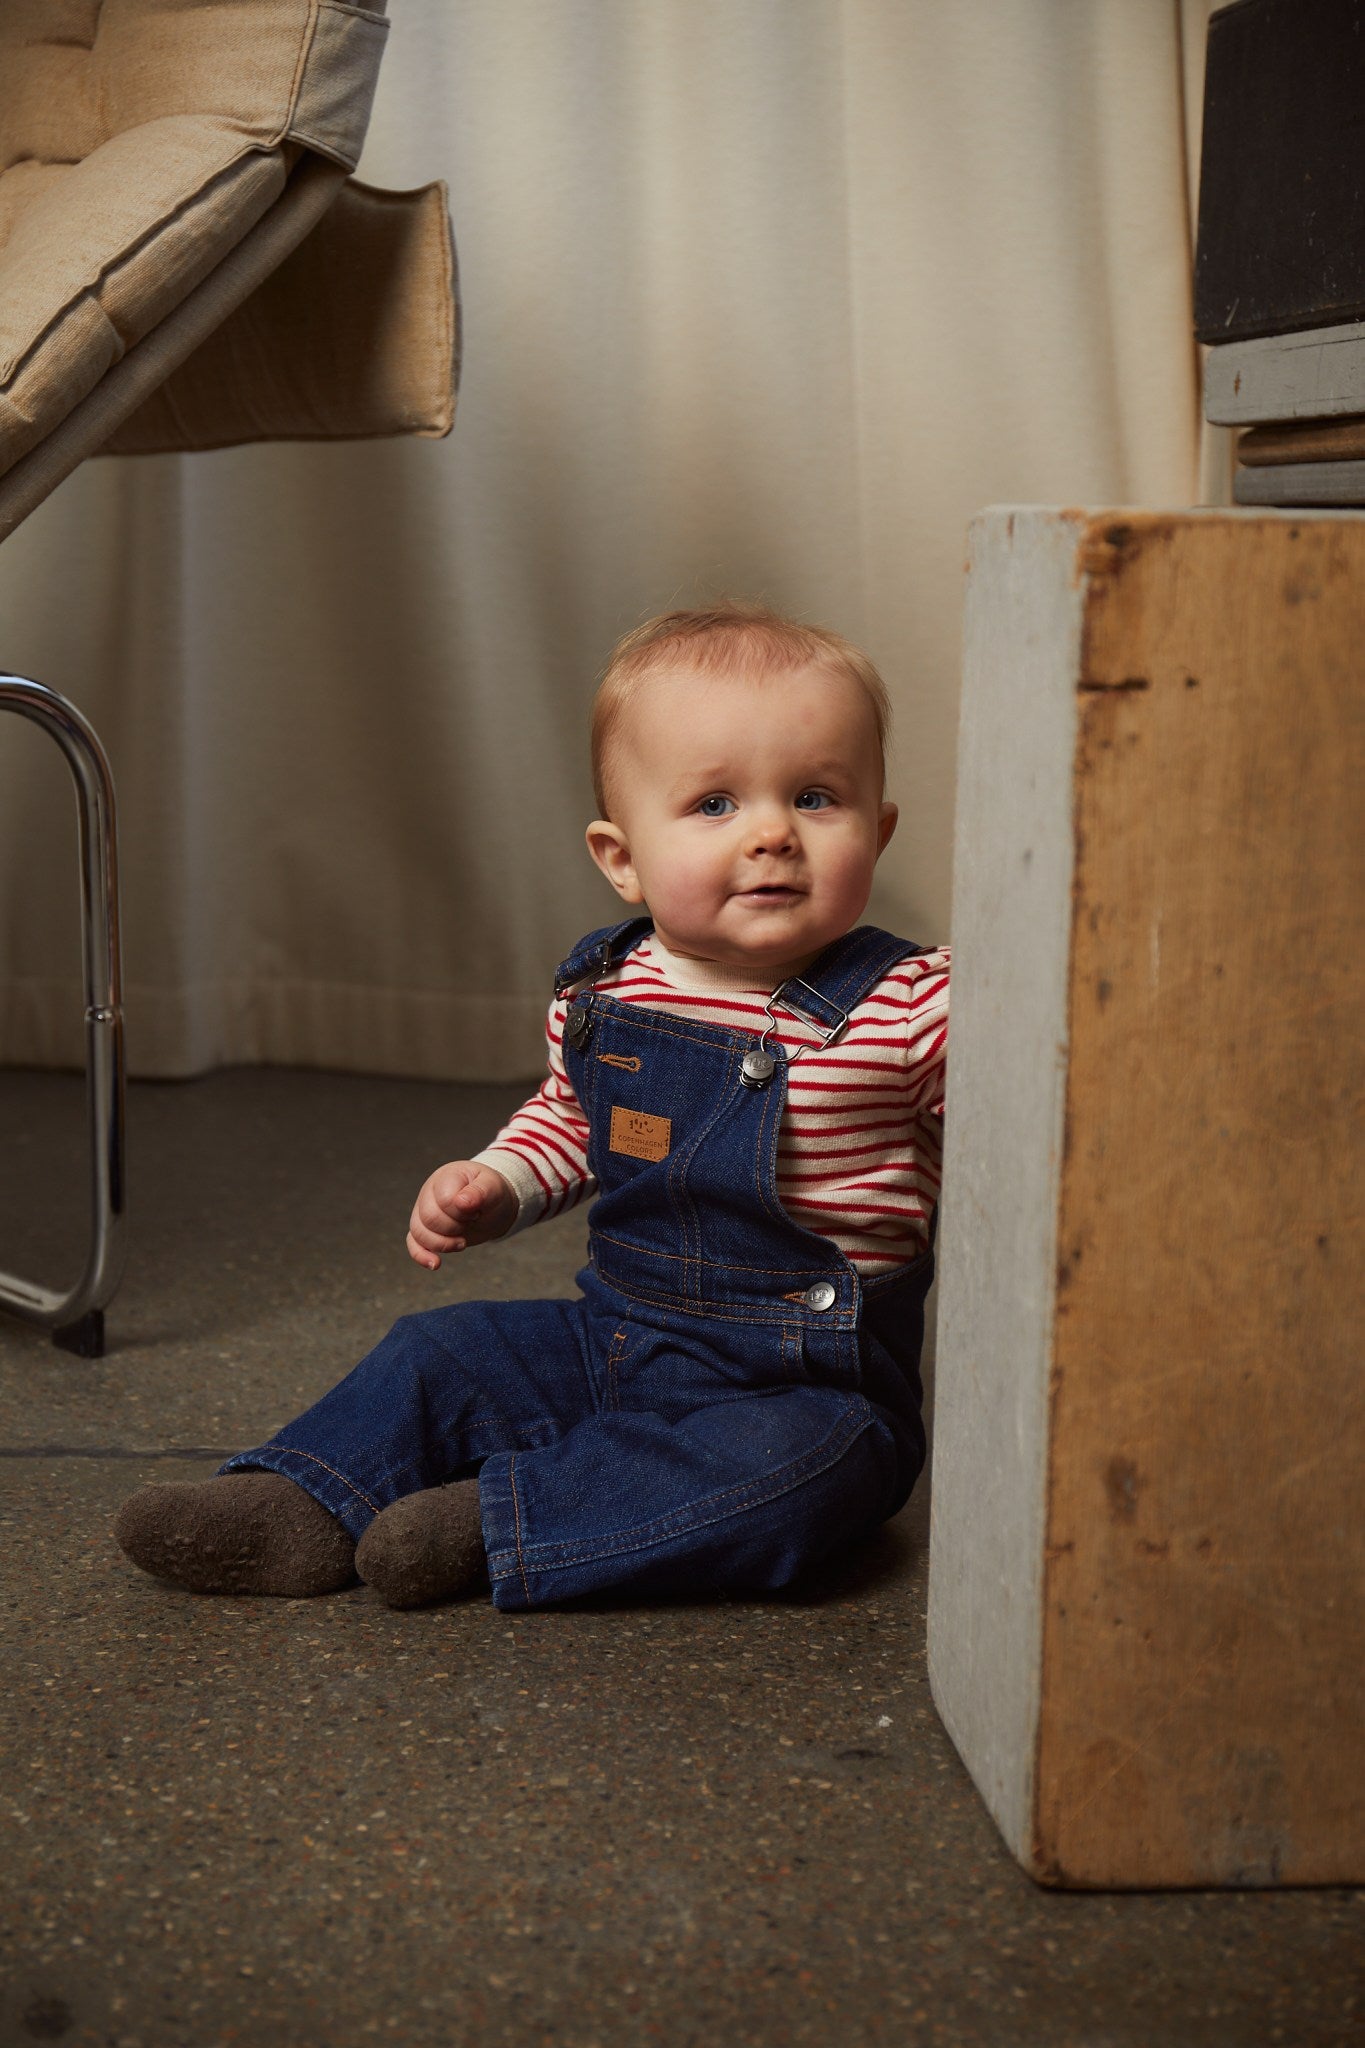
(1145, 1603)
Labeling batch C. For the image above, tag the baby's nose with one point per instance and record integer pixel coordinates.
(771, 831)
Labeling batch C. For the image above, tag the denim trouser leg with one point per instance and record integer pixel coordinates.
(740, 1496)
(610, 1456)
(440, 1393)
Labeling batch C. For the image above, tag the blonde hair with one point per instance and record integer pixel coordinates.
(724, 639)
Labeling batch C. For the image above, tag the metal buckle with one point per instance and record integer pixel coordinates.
(827, 1038)
(599, 960)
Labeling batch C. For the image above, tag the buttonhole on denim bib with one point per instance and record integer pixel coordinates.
(620, 1059)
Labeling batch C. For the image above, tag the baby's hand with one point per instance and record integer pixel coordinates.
(461, 1204)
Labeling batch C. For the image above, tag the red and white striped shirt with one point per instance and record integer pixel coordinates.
(859, 1153)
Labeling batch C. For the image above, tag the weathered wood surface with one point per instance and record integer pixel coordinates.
(1304, 441)
(1011, 938)
(1301, 483)
(1188, 1572)
(1317, 375)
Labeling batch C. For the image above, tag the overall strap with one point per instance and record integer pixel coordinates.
(837, 979)
(600, 951)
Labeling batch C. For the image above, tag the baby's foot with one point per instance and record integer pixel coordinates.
(425, 1547)
(243, 1532)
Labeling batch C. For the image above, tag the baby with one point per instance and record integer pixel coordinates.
(751, 1083)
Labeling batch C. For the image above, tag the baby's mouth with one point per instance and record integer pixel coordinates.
(770, 892)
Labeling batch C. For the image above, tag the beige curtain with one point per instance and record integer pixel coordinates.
(762, 296)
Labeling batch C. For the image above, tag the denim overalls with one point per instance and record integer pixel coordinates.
(726, 1403)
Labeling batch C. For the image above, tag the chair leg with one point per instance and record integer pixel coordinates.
(76, 1318)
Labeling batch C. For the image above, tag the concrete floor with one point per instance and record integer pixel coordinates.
(318, 1822)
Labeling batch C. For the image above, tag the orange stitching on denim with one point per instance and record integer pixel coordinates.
(335, 1474)
(516, 1516)
(620, 1059)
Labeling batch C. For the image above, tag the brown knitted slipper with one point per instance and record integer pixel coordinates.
(243, 1532)
(426, 1547)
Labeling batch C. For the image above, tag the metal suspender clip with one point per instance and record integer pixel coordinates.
(578, 1016)
(577, 1024)
(757, 1068)
(811, 1017)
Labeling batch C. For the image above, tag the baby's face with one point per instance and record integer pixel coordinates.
(750, 814)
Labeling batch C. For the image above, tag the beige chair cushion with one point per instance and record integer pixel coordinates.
(141, 142)
(86, 429)
(355, 334)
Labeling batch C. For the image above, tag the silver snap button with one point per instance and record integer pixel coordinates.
(823, 1295)
(757, 1069)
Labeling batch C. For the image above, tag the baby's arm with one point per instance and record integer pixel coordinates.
(926, 1019)
(536, 1166)
(462, 1203)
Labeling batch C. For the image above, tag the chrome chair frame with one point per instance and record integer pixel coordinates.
(76, 1318)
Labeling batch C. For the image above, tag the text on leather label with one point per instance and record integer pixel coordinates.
(639, 1135)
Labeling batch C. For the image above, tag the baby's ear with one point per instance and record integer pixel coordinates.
(886, 825)
(609, 847)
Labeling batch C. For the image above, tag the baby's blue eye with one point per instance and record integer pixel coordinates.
(813, 800)
(716, 806)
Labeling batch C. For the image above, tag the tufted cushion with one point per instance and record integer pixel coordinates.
(145, 144)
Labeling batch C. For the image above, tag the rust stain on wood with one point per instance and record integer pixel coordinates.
(1122, 1481)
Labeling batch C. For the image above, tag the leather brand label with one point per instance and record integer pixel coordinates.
(639, 1135)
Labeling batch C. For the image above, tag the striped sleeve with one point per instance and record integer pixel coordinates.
(927, 1030)
(542, 1152)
